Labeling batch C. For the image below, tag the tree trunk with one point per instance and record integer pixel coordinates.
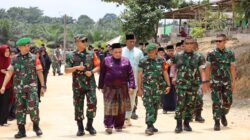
(156, 31)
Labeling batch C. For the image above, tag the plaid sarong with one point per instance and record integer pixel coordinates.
(116, 100)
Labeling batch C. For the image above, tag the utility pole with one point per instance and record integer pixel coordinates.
(65, 35)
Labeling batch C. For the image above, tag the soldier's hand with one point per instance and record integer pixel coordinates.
(2, 90)
(88, 73)
(130, 91)
(168, 90)
(139, 92)
(43, 90)
(204, 87)
(79, 67)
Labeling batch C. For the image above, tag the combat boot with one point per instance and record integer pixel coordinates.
(217, 125)
(80, 131)
(224, 120)
(154, 129)
(37, 129)
(178, 128)
(21, 132)
(90, 127)
(186, 125)
(198, 117)
(150, 130)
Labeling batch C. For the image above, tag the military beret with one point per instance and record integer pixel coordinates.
(150, 47)
(23, 41)
(80, 37)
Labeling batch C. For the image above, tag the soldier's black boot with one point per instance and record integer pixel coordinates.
(224, 120)
(150, 130)
(178, 128)
(198, 117)
(37, 129)
(154, 129)
(21, 132)
(90, 127)
(54, 73)
(80, 131)
(186, 125)
(217, 125)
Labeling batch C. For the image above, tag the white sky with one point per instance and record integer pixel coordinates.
(95, 9)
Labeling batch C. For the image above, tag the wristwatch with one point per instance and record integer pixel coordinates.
(204, 82)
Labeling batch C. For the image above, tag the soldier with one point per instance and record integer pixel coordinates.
(57, 61)
(83, 64)
(189, 67)
(153, 81)
(221, 68)
(134, 55)
(199, 98)
(25, 67)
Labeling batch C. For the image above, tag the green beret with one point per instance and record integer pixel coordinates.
(150, 47)
(23, 41)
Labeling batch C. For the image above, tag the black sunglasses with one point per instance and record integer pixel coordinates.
(219, 41)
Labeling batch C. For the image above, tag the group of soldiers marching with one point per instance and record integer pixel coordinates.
(125, 74)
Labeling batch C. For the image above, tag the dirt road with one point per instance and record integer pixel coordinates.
(57, 120)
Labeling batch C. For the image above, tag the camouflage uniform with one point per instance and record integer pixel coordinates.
(25, 87)
(220, 62)
(153, 85)
(56, 64)
(83, 85)
(187, 82)
(199, 98)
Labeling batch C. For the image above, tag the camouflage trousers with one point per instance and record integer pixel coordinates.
(185, 103)
(222, 99)
(198, 102)
(78, 97)
(151, 102)
(27, 103)
(56, 66)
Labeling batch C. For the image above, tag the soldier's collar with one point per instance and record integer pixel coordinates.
(84, 51)
(221, 51)
(189, 53)
(26, 55)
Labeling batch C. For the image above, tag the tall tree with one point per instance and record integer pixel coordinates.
(142, 16)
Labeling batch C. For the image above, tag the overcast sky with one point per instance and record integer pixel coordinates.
(95, 9)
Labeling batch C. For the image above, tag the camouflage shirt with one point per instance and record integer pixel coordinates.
(87, 59)
(188, 70)
(25, 69)
(153, 73)
(220, 62)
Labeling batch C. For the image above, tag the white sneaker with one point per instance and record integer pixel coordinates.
(128, 122)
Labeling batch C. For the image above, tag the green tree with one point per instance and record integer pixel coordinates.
(4, 31)
(142, 17)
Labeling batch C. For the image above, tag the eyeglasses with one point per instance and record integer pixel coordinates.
(219, 41)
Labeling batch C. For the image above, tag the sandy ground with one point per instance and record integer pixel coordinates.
(57, 120)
